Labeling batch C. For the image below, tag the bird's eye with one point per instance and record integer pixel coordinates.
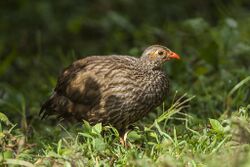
(160, 53)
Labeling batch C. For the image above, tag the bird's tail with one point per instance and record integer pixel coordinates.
(55, 105)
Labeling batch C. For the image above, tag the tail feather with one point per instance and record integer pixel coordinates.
(47, 108)
(55, 105)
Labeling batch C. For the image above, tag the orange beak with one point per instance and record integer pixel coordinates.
(174, 56)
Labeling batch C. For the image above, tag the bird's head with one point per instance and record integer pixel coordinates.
(156, 55)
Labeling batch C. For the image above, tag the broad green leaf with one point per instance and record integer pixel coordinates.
(99, 144)
(97, 129)
(216, 125)
(133, 135)
(4, 119)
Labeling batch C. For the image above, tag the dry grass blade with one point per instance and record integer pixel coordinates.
(18, 162)
(176, 107)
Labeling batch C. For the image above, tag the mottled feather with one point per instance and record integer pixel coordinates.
(116, 90)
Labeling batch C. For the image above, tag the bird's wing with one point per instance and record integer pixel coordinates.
(81, 82)
(79, 87)
(78, 82)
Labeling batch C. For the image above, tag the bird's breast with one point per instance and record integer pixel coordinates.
(156, 88)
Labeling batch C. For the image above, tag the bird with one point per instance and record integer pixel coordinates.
(115, 90)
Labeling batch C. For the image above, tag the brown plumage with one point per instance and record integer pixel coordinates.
(116, 90)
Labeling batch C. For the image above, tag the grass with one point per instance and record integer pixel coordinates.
(205, 121)
(174, 138)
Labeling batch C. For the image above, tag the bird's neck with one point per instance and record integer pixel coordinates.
(149, 64)
(154, 81)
